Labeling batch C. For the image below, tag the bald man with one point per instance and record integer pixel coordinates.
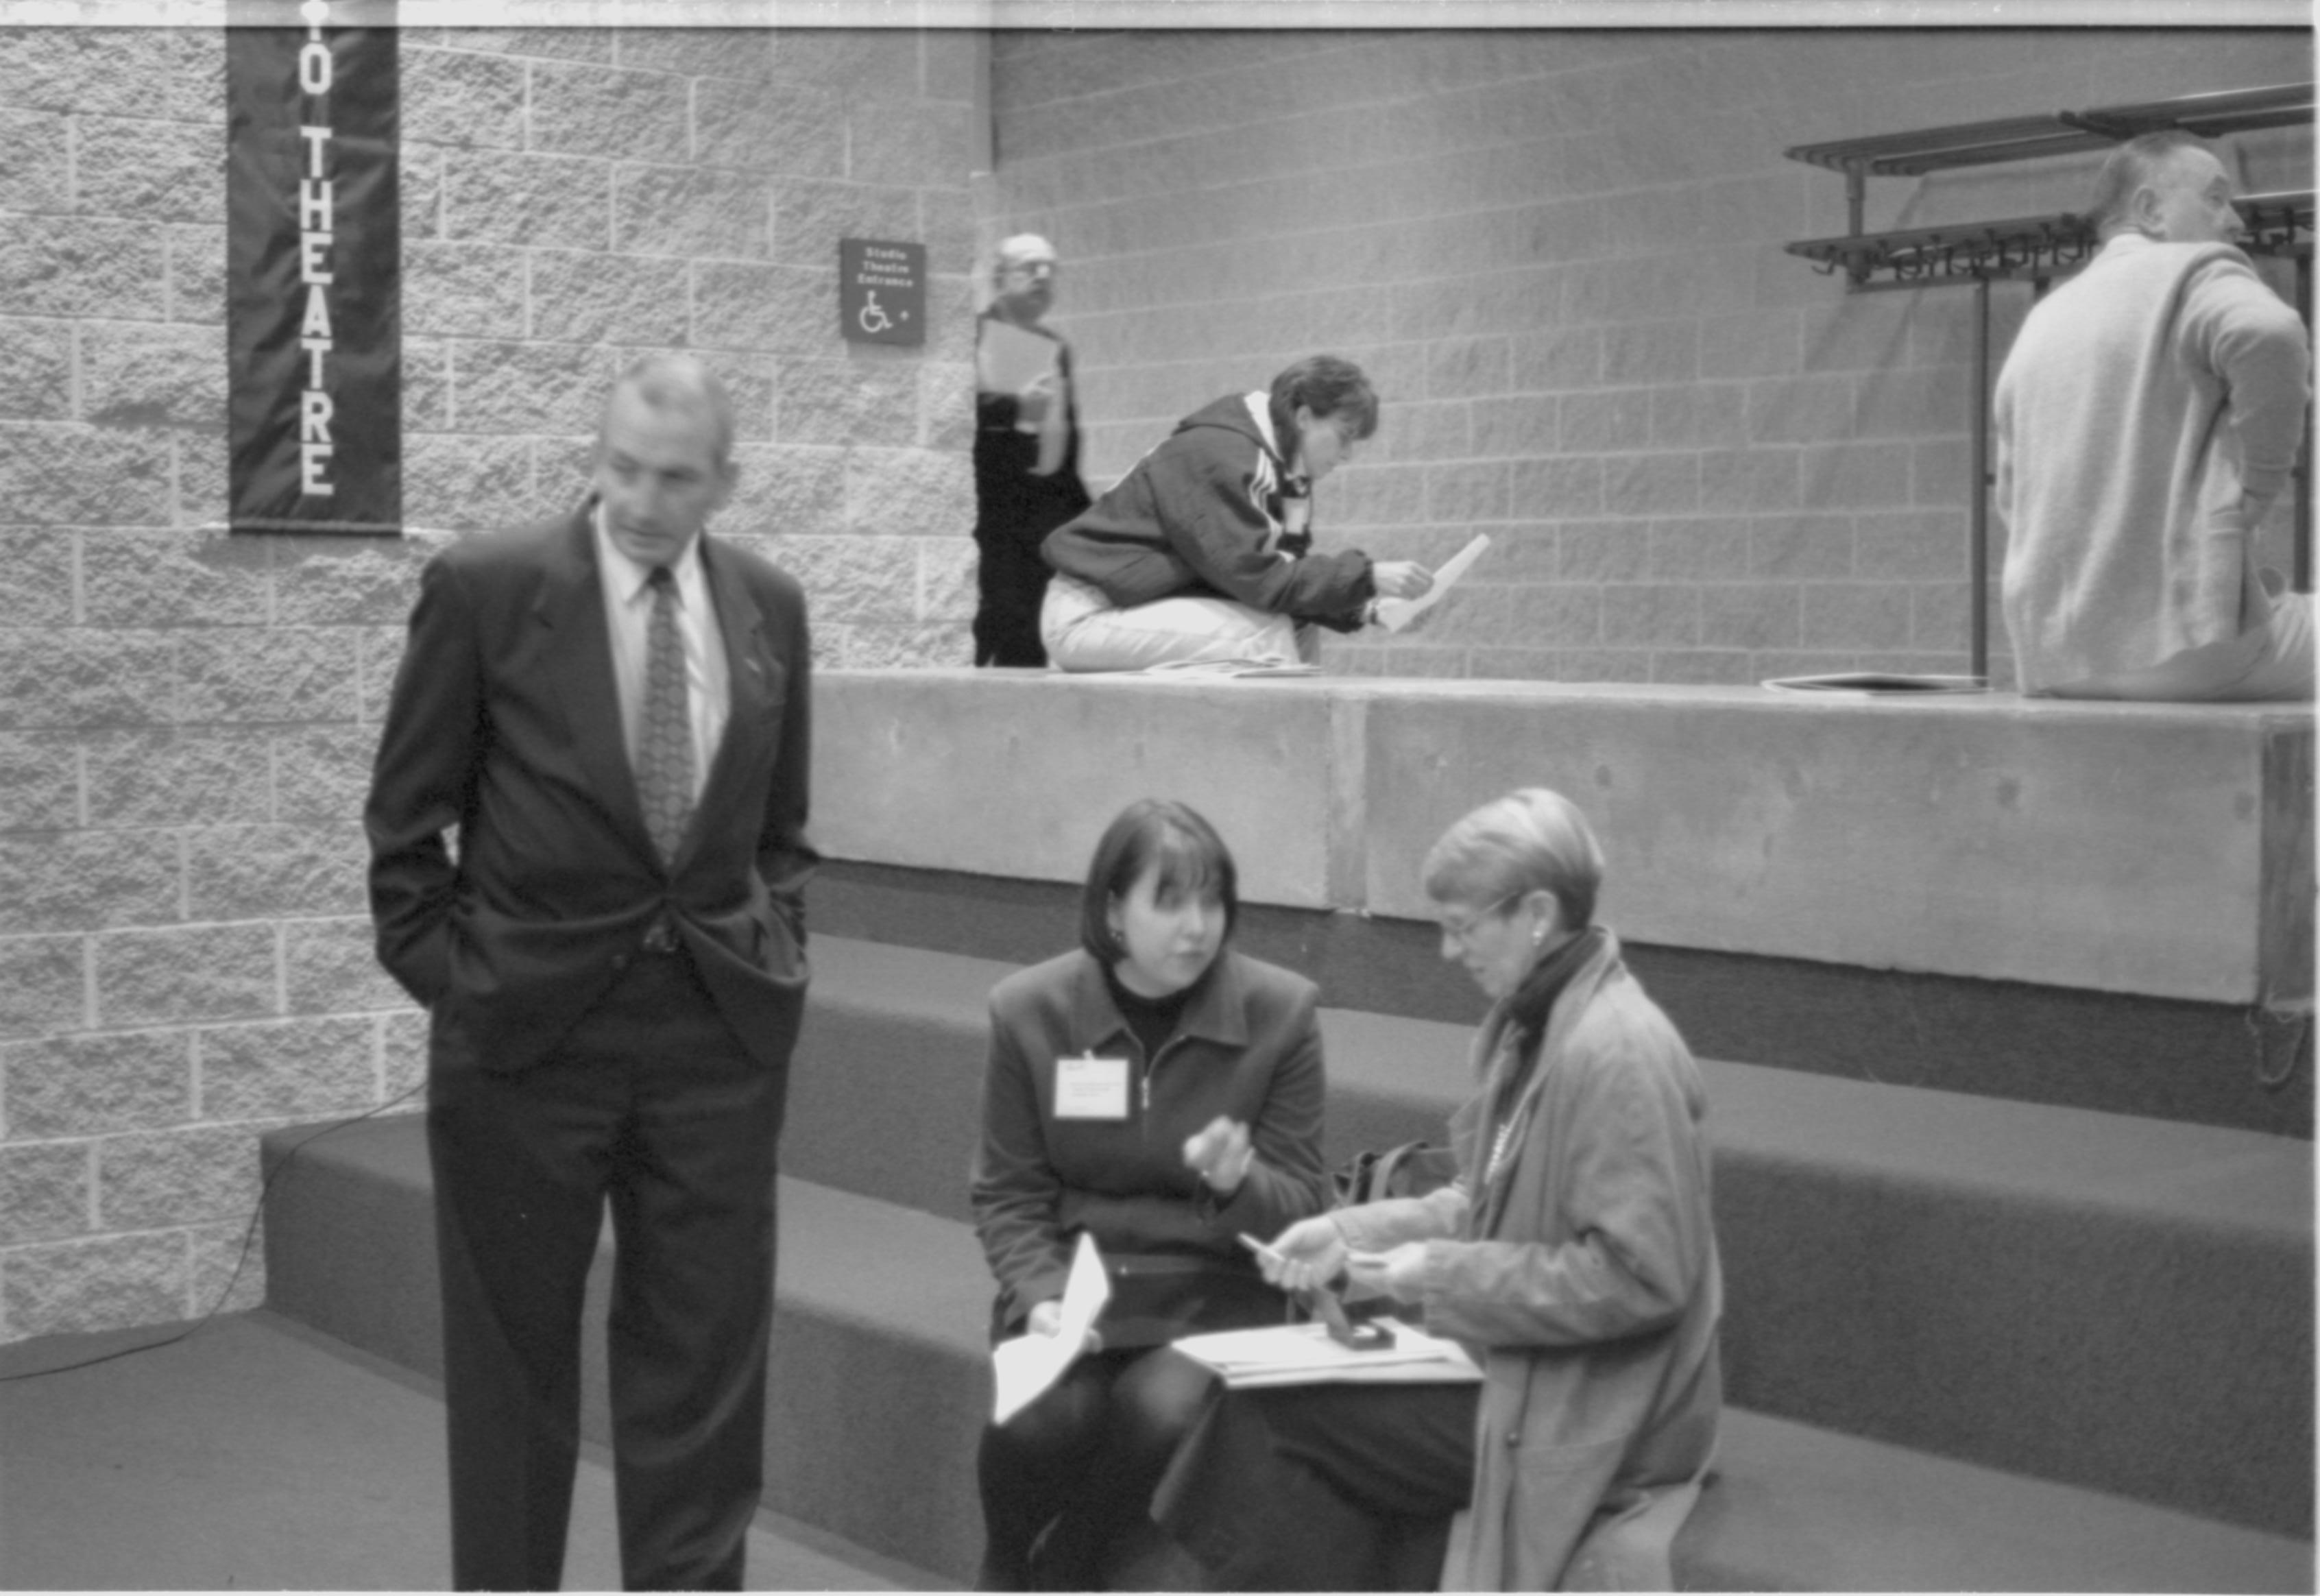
(2147, 417)
(610, 709)
(1026, 452)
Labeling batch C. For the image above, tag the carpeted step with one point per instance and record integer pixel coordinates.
(880, 1382)
(2116, 1302)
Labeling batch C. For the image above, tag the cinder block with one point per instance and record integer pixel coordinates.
(794, 492)
(908, 648)
(1867, 332)
(1642, 353)
(147, 1180)
(1696, 550)
(282, 674)
(530, 387)
(1941, 618)
(782, 309)
(1920, 545)
(272, 872)
(591, 297)
(1557, 486)
(35, 160)
(628, 115)
(931, 143)
(1799, 409)
(331, 966)
(461, 98)
(40, 781)
(1940, 472)
(403, 1055)
(1557, 360)
(35, 367)
(379, 652)
(147, 171)
(154, 376)
(1651, 485)
(40, 564)
(1523, 615)
(227, 1276)
(946, 405)
(866, 399)
(1705, 415)
(1914, 403)
(201, 470)
(1518, 426)
(464, 290)
(1761, 343)
(701, 212)
(1605, 551)
(796, 132)
(174, 578)
(862, 64)
(86, 679)
(91, 71)
(569, 44)
(79, 475)
(946, 580)
(42, 986)
(287, 1069)
(107, 1282)
(89, 1086)
(88, 880)
(195, 274)
(1612, 421)
(1755, 616)
(471, 484)
(1467, 493)
(1657, 616)
(908, 491)
(556, 202)
(1855, 614)
(742, 54)
(43, 1191)
(1743, 480)
(866, 579)
(322, 773)
(421, 181)
(1856, 475)
(342, 581)
(188, 973)
(1808, 547)
(812, 214)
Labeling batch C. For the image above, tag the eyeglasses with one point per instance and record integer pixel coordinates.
(1463, 931)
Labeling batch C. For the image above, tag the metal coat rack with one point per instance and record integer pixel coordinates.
(2039, 248)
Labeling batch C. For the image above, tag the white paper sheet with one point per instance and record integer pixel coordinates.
(1396, 614)
(1028, 1365)
(1303, 1355)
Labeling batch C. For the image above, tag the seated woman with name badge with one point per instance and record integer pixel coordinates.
(1162, 1094)
(1573, 1257)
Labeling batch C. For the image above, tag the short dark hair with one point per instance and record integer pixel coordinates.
(2128, 169)
(1153, 833)
(1327, 385)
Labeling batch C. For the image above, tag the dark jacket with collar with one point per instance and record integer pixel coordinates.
(1248, 1047)
(504, 724)
(1201, 514)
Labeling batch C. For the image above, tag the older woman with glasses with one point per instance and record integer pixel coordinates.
(1573, 1257)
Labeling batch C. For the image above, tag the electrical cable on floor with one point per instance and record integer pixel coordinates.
(242, 1259)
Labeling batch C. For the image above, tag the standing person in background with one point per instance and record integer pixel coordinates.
(610, 709)
(1204, 550)
(2147, 416)
(1162, 1094)
(1026, 452)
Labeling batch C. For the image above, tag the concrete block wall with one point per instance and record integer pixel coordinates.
(1559, 253)
(187, 717)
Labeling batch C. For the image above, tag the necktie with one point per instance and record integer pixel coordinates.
(664, 762)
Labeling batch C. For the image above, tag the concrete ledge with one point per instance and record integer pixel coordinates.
(879, 1386)
(2154, 850)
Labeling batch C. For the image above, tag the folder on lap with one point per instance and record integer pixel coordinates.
(1304, 1355)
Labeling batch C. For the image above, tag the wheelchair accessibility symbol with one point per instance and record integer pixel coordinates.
(874, 317)
(881, 291)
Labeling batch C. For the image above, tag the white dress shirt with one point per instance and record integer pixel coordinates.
(628, 616)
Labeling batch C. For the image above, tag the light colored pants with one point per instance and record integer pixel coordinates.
(1083, 633)
(2272, 661)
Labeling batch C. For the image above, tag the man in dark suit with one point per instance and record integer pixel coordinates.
(611, 711)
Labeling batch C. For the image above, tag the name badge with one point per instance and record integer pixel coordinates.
(1091, 1088)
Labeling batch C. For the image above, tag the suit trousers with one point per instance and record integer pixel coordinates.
(653, 1106)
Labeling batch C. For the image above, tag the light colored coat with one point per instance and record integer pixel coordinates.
(1584, 1277)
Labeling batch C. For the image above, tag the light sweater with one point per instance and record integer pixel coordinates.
(2141, 399)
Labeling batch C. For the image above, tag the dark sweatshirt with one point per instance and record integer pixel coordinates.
(1201, 514)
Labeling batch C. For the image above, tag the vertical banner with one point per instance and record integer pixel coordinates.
(313, 278)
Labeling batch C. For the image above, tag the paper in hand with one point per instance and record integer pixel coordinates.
(1396, 614)
(1028, 1365)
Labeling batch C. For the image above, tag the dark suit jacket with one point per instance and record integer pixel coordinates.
(505, 724)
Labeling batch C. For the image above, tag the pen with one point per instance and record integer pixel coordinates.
(1260, 1249)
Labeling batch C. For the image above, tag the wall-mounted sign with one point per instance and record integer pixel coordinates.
(313, 265)
(881, 291)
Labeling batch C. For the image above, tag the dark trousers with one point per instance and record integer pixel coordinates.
(1323, 1487)
(653, 1106)
(1010, 579)
(1078, 1466)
